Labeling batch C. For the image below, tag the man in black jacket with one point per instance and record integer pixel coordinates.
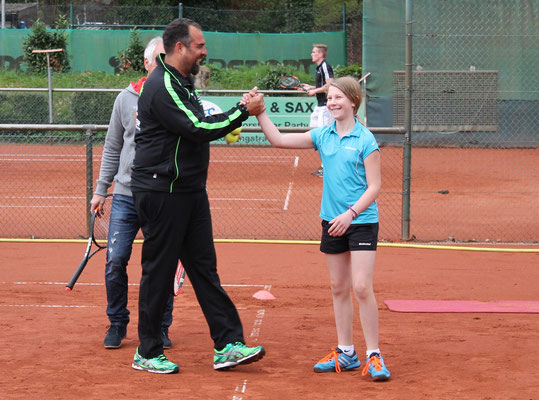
(169, 188)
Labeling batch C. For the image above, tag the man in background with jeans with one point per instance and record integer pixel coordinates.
(116, 165)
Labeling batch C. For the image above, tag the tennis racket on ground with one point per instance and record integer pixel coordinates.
(99, 229)
(291, 82)
(179, 278)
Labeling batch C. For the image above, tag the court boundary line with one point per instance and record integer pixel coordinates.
(234, 285)
(311, 242)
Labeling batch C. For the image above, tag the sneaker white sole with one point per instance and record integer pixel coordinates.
(155, 371)
(247, 360)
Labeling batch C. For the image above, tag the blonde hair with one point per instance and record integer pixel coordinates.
(323, 49)
(351, 89)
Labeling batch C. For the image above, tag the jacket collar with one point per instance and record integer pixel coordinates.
(184, 81)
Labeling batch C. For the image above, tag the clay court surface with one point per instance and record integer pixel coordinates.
(52, 341)
(268, 193)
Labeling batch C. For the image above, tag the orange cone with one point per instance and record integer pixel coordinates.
(263, 295)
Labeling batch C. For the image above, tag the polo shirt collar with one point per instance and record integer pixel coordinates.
(355, 132)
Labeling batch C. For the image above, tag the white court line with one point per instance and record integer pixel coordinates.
(82, 197)
(266, 209)
(101, 284)
(247, 158)
(82, 157)
(48, 160)
(42, 155)
(44, 197)
(290, 185)
(239, 199)
(47, 206)
(255, 333)
(240, 389)
(45, 306)
(249, 162)
(264, 159)
(288, 194)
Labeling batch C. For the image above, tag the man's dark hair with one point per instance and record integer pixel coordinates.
(178, 31)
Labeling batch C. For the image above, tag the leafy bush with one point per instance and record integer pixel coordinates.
(349, 70)
(265, 76)
(271, 73)
(270, 80)
(132, 58)
(41, 39)
(88, 79)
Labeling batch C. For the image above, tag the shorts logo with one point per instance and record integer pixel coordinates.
(363, 244)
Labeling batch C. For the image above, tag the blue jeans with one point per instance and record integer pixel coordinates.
(124, 225)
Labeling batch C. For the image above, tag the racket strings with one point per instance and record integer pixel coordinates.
(101, 225)
(289, 81)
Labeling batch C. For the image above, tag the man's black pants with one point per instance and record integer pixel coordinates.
(178, 226)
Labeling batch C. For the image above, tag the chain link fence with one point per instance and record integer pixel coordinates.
(474, 160)
(475, 120)
(256, 191)
(288, 19)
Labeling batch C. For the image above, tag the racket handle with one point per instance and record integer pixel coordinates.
(76, 275)
(179, 278)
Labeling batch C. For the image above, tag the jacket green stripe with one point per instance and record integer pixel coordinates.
(196, 122)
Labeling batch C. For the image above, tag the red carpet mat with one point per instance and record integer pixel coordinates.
(463, 306)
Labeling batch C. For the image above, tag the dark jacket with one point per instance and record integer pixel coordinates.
(173, 135)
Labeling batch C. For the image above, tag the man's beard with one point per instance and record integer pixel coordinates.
(195, 68)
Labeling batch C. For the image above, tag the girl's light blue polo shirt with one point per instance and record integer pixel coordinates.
(344, 170)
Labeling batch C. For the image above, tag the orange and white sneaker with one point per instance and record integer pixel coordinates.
(376, 367)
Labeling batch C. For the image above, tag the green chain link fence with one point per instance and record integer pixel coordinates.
(475, 120)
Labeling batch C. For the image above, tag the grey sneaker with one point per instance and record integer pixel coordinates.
(319, 172)
(236, 353)
(157, 365)
(167, 344)
(114, 337)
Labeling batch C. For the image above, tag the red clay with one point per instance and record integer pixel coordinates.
(52, 340)
(265, 193)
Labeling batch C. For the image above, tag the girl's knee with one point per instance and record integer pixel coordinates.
(363, 291)
(340, 290)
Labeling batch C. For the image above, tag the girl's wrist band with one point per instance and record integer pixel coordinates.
(354, 213)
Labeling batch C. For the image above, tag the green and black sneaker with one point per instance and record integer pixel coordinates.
(157, 365)
(236, 353)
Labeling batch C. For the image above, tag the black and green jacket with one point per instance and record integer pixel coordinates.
(173, 135)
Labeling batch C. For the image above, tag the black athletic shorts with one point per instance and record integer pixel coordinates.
(358, 237)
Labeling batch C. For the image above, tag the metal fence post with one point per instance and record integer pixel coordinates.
(407, 151)
(89, 174)
(345, 34)
(71, 18)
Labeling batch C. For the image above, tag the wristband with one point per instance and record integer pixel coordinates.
(243, 108)
(354, 213)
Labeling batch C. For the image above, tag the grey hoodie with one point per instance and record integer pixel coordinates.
(119, 149)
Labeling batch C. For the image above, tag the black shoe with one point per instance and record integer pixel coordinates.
(114, 337)
(167, 344)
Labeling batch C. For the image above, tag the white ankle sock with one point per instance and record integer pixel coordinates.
(348, 350)
(369, 352)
